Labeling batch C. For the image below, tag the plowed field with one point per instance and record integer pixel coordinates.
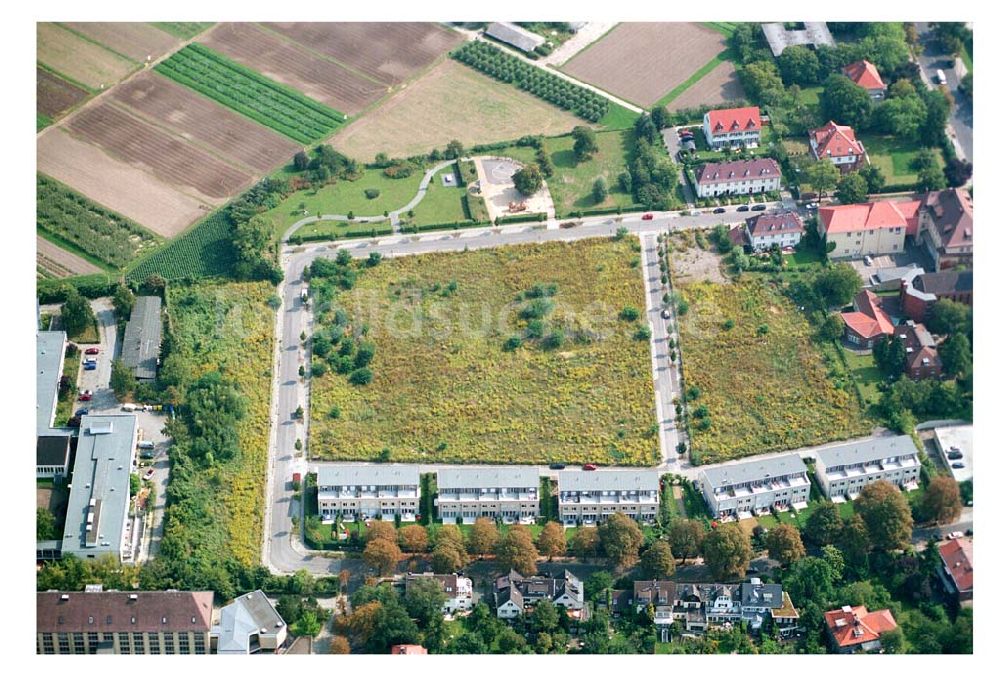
(134, 40)
(54, 95)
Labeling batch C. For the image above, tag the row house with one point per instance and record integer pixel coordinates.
(945, 227)
(783, 229)
(139, 622)
(589, 497)
(755, 487)
(363, 492)
(457, 590)
(732, 127)
(871, 228)
(843, 471)
(499, 492)
(925, 289)
(738, 177)
(921, 359)
(514, 594)
(839, 145)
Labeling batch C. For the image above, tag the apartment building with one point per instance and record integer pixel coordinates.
(732, 127)
(457, 589)
(870, 228)
(946, 227)
(505, 492)
(364, 492)
(589, 497)
(139, 622)
(843, 471)
(784, 229)
(740, 177)
(756, 486)
(248, 625)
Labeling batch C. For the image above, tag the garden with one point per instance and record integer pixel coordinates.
(501, 355)
(895, 158)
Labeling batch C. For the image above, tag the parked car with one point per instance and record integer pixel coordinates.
(812, 205)
(695, 212)
(954, 455)
(958, 465)
(665, 313)
(82, 412)
(91, 351)
(556, 466)
(148, 475)
(719, 210)
(758, 208)
(743, 208)
(868, 260)
(590, 466)
(647, 217)
(85, 396)
(940, 77)
(146, 444)
(89, 366)
(953, 535)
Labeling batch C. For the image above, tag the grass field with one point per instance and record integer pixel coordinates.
(445, 388)
(866, 373)
(249, 93)
(763, 383)
(573, 182)
(441, 204)
(334, 230)
(894, 157)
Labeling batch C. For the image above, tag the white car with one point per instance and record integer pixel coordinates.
(953, 535)
(696, 212)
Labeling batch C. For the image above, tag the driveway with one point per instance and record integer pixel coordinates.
(960, 122)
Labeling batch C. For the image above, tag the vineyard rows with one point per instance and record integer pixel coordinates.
(251, 94)
(204, 251)
(507, 68)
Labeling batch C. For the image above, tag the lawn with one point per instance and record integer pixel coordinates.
(66, 404)
(446, 390)
(441, 205)
(866, 373)
(895, 157)
(763, 384)
(800, 517)
(573, 182)
(336, 230)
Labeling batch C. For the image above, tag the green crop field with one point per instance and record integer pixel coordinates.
(448, 387)
(100, 235)
(203, 251)
(763, 384)
(247, 92)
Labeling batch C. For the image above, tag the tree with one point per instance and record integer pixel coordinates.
(446, 558)
(600, 190)
(956, 355)
(931, 178)
(382, 555)
(301, 161)
(686, 537)
(892, 641)
(584, 143)
(545, 616)
(308, 625)
(852, 189)
(886, 514)
(77, 315)
(822, 176)
(951, 35)
(450, 534)
(45, 525)
(661, 117)
(483, 536)
(620, 538)
(528, 180)
(942, 501)
(658, 561)
(586, 542)
(890, 356)
(413, 538)
(903, 117)
(122, 380)
(424, 599)
(832, 327)
(763, 82)
(515, 550)
(784, 543)
(810, 578)
(552, 540)
(379, 529)
(838, 284)
(799, 65)
(454, 150)
(339, 645)
(845, 102)
(949, 317)
(902, 88)
(957, 172)
(727, 552)
(123, 299)
(874, 177)
(824, 524)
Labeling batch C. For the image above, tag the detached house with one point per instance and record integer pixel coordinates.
(767, 230)
(867, 323)
(924, 290)
(854, 629)
(457, 589)
(922, 359)
(868, 228)
(945, 227)
(513, 594)
(838, 144)
(741, 177)
(732, 127)
(956, 567)
(844, 470)
(864, 74)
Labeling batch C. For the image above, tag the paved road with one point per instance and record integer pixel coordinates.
(960, 123)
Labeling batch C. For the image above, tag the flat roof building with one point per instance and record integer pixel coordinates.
(249, 625)
(365, 491)
(844, 470)
(507, 492)
(141, 345)
(50, 351)
(756, 486)
(588, 497)
(52, 454)
(951, 439)
(97, 514)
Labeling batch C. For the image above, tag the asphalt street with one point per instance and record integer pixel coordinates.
(930, 62)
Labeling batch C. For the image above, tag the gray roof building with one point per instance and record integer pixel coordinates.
(609, 480)
(813, 33)
(374, 474)
(753, 471)
(99, 495)
(248, 625)
(867, 451)
(52, 450)
(514, 35)
(50, 348)
(141, 345)
(487, 477)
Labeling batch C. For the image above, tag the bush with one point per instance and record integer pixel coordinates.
(372, 193)
(360, 377)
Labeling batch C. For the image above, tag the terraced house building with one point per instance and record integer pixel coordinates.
(354, 492)
(732, 127)
(741, 177)
(843, 471)
(590, 497)
(753, 487)
(509, 493)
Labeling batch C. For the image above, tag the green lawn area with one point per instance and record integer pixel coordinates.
(441, 205)
(724, 27)
(65, 405)
(802, 259)
(810, 95)
(444, 387)
(706, 155)
(88, 335)
(618, 117)
(801, 516)
(894, 157)
(334, 230)
(966, 55)
(42, 121)
(573, 182)
(866, 373)
(669, 97)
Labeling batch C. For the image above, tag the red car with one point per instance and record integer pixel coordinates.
(85, 396)
(92, 351)
(647, 217)
(590, 466)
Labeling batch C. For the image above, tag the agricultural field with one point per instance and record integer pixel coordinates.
(117, 185)
(642, 62)
(763, 385)
(718, 85)
(54, 95)
(67, 218)
(452, 101)
(185, 30)
(203, 251)
(293, 65)
(237, 87)
(54, 261)
(192, 116)
(390, 53)
(169, 158)
(229, 328)
(139, 42)
(82, 61)
(449, 386)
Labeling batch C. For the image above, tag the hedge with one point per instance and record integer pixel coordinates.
(91, 286)
(357, 232)
(453, 225)
(521, 218)
(600, 211)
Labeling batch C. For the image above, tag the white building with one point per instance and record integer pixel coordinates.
(368, 491)
(457, 590)
(249, 625)
(743, 489)
(732, 127)
(767, 230)
(506, 492)
(739, 177)
(843, 471)
(589, 497)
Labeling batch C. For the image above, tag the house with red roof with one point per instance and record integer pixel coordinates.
(922, 359)
(867, 323)
(956, 567)
(739, 177)
(732, 127)
(869, 228)
(854, 629)
(838, 144)
(945, 227)
(864, 74)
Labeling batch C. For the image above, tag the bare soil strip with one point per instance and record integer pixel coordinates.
(60, 262)
(138, 41)
(54, 96)
(85, 62)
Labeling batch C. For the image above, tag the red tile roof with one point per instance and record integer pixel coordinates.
(833, 140)
(408, 649)
(864, 74)
(871, 215)
(168, 611)
(869, 320)
(856, 625)
(737, 170)
(957, 558)
(727, 120)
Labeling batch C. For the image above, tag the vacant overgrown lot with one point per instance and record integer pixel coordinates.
(762, 383)
(446, 384)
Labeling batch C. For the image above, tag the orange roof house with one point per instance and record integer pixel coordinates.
(407, 649)
(856, 629)
(864, 74)
(838, 144)
(728, 126)
(956, 564)
(870, 216)
(867, 323)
